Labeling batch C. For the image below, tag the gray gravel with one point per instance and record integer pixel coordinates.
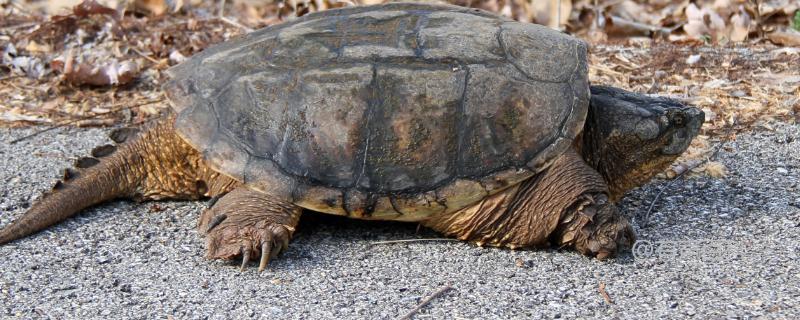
(128, 260)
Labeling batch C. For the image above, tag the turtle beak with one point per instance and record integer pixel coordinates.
(686, 123)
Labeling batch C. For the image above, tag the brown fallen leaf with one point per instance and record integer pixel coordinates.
(787, 38)
(704, 22)
(546, 12)
(90, 7)
(740, 25)
(155, 208)
(681, 168)
(110, 74)
(619, 27)
(151, 7)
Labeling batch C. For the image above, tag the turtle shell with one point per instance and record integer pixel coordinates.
(394, 111)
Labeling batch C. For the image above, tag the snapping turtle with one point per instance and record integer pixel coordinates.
(482, 128)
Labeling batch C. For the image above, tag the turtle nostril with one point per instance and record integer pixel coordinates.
(679, 120)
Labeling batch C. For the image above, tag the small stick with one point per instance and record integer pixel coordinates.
(153, 60)
(20, 26)
(221, 17)
(64, 124)
(558, 16)
(426, 301)
(604, 294)
(9, 77)
(410, 240)
(236, 24)
(221, 11)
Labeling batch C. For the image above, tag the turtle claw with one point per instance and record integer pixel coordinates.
(248, 225)
(245, 258)
(265, 256)
(237, 236)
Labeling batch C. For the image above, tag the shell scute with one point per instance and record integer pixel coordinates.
(397, 111)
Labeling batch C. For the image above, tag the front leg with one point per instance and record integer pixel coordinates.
(566, 205)
(248, 223)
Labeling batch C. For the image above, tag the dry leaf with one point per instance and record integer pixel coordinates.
(34, 46)
(789, 38)
(681, 168)
(704, 23)
(151, 7)
(546, 12)
(740, 25)
(176, 57)
(715, 169)
(693, 59)
(90, 7)
(110, 74)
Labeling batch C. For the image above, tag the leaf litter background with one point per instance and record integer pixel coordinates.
(87, 63)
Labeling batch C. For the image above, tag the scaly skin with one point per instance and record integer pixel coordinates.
(250, 224)
(155, 165)
(558, 205)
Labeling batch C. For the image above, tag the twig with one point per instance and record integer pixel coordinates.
(20, 26)
(629, 27)
(221, 17)
(426, 301)
(604, 294)
(410, 240)
(558, 16)
(679, 176)
(9, 77)
(145, 56)
(221, 10)
(64, 124)
(21, 9)
(236, 24)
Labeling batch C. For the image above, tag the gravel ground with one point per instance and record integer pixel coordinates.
(736, 241)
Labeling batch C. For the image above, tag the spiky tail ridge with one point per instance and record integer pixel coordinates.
(92, 180)
(154, 164)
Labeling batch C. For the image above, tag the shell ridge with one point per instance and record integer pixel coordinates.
(563, 126)
(215, 136)
(458, 160)
(361, 157)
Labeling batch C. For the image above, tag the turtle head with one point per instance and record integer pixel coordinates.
(630, 137)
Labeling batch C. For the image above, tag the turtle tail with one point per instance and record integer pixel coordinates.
(153, 164)
(92, 180)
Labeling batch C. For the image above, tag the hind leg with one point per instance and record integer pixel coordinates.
(250, 224)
